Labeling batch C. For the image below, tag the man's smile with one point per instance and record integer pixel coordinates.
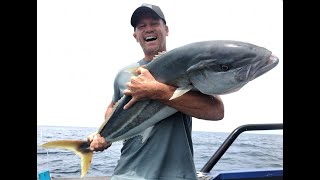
(150, 38)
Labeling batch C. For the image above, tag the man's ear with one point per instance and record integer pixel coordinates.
(167, 30)
(135, 36)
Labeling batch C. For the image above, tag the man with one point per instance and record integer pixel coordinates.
(168, 151)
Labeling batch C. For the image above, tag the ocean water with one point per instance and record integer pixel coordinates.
(248, 151)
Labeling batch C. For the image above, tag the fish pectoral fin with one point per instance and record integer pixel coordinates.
(180, 91)
(79, 147)
(146, 134)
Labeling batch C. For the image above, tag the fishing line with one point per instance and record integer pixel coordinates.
(47, 158)
(44, 174)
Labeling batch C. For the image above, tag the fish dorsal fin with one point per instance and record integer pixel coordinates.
(132, 71)
(144, 135)
(159, 54)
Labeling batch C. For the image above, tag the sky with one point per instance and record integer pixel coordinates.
(82, 44)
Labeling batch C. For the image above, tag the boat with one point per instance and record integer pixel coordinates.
(206, 172)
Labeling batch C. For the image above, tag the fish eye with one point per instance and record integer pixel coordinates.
(224, 67)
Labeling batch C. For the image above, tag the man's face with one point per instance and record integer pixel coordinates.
(151, 34)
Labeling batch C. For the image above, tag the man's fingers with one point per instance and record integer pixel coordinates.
(141, 70)
(138, 71)
(130, 103)
(91, 136)
(96, 137)
(127, 92)
(99, 143)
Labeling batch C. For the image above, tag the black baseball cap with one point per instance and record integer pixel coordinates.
(146, 8)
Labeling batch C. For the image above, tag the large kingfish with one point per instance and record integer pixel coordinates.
(211, 67)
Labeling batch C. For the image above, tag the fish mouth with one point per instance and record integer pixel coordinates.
(269, 64)
(237, 88)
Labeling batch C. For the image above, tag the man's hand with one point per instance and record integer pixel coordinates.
(145, 86)
(97, 143)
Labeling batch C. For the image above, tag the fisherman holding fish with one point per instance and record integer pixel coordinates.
(155, 99)
(167, 152)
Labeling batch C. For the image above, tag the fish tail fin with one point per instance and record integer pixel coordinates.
(86, 159)
(80, 148)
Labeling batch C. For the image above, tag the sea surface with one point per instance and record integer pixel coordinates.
(249, 151)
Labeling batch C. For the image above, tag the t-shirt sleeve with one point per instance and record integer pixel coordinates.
(119, 84)
(116, 89)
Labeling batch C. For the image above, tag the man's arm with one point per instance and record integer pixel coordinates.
(98, 143)
(197, 105)
(192, 103)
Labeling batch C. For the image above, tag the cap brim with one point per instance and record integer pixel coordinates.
(139, 11)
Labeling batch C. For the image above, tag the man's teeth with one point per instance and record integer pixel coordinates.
(150, 38)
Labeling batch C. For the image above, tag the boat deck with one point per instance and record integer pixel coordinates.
(84, 178)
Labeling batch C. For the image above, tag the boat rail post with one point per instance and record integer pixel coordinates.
(231, 138)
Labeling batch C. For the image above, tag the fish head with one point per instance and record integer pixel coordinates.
(230, 66)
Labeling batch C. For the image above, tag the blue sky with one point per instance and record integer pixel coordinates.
(82, 44)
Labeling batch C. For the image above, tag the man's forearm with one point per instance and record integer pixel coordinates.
(109, 110)
(194, 104)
